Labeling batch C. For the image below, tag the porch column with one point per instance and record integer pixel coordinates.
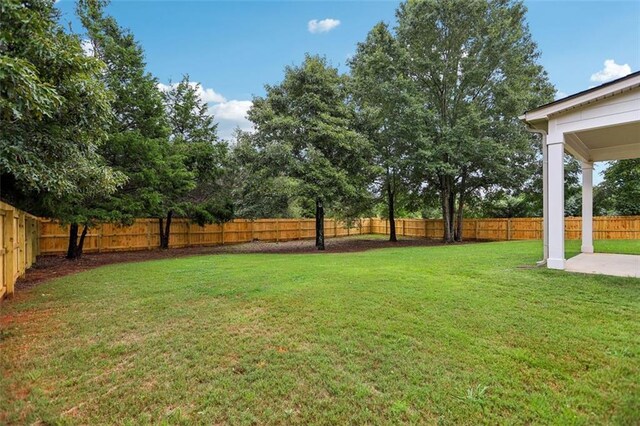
(587, 207)
(545, 199)
(555, 145)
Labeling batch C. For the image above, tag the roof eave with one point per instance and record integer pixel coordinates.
(587, 96)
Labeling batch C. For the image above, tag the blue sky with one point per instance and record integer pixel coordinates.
(233, 48)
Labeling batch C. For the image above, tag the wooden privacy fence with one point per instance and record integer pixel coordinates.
(524, 228)
(19, 246)
(143, 234)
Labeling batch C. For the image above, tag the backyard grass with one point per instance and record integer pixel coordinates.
(460, 334)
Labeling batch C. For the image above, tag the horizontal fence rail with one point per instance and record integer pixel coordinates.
(19, 246)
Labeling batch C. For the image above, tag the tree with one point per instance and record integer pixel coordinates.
(308, 120)
(620, 188)
(54, 110)
(474, 66)
(139, 144)
(388, 111)
(194, 135)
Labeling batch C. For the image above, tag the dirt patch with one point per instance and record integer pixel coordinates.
(49, 267)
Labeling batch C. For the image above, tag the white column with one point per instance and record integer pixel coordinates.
(587, 207)
(545, 199)
(555, 145)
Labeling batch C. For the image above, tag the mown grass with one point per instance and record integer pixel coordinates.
(460, 334)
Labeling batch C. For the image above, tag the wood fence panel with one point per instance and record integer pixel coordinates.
(19, 245)
(307, 229)
(524, 228)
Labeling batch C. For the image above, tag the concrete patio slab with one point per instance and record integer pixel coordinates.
(620, 265)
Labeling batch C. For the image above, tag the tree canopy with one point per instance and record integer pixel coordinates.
(308, 120)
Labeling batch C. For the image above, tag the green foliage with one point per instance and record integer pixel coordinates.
(137, 101)
(619, 193)
(304, 131)
(193, 135)
(505, 205)
(54, 111)
(261, 189)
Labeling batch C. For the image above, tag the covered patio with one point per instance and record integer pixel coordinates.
(599, 124)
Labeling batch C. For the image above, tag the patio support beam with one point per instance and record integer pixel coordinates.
(587, 207)
(555, 146)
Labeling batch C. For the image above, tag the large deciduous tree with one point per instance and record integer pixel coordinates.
(475, 67)
(389, 113)
(54, 119)
(308, 120)
(54, 109)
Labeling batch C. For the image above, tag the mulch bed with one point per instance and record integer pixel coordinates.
(48, 267)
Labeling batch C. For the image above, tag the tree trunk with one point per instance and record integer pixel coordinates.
(161, 224)
(81, 242)
(460, 211)
(319, 224)
(74, 249)
(392, 214)
(166, 232)
(73, 241)
(447, 209)
(459, 217)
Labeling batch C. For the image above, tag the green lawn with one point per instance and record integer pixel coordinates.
(462, 334)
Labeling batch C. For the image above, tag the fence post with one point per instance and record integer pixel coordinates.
(9, 263)
(222, 231)
(508, 229)
(188, 233)
(252, 237)
(477, 226)
(148, 234)
(99, 237)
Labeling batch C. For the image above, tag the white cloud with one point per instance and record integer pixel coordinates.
(231, 110)
(230, 115)
(611, 71)
(87, 47)
(322, 26)
(560, 94)
(210, 95)
(206, 95)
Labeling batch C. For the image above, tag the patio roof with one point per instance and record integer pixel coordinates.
(599, 124)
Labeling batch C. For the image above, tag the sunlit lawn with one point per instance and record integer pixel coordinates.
(462, 334)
